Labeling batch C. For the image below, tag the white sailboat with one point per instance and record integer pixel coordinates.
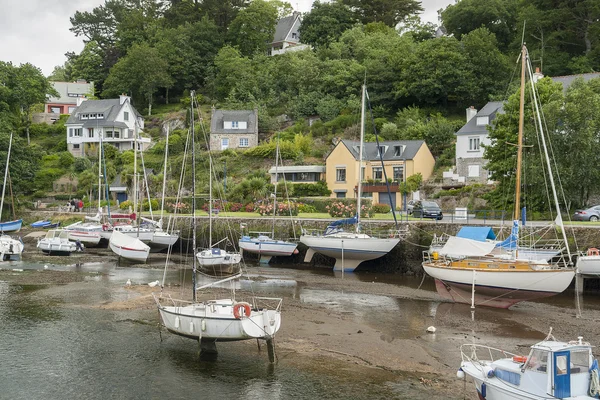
(349, 248)
(219, 320)
(10, 248)
(128, 247)
(56, 242)
(214, 259)
(552, 370)
(466, 272)
(267, 246)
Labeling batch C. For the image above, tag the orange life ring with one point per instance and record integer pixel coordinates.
(593, 252)
(238, 306)
(520, 359)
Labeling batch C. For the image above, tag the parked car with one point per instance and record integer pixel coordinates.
(409, 206)
(588, 214)
(427, 209)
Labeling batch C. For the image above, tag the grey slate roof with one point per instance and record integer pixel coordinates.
(370, 149)
(283, 27)
(490, 109)
(297, 168)
(110, 108)
(219, 116)
(74, 88)
(567, 80)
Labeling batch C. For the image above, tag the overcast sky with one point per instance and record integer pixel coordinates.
(37, 31)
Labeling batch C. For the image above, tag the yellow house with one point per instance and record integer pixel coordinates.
(401, 159)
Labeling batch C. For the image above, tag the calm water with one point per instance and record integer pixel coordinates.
(55, 345)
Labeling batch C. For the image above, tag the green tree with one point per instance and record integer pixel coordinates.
(254, 27)
(143, 71)
(390, 12)
(325, 23)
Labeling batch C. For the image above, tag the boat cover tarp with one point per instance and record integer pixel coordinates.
(122, 240)
(347, 221)
(462, 247)
(479, 233)
(512, 240)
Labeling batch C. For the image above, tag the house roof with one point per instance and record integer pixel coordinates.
(220, 116)
(283, 28)
(490, 110)
(567, 80)
(297, 168)
(411, 148)
(109, 107)
(69, 91)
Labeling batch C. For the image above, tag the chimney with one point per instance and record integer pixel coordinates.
(81, 100)
(537, 75)
(123, 98)
(256, 120)
(471, 112)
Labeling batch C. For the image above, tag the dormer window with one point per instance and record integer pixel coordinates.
(294, 35)
(482, 121)
(235, 124)
(381, 151)
(100, 116)
(398, 150)
(84, 116)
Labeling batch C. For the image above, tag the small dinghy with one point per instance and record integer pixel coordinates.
(128, 247)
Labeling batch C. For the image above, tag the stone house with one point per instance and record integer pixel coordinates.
(233, 129)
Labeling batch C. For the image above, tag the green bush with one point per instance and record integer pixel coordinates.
(125, 205)
(39, 194)
(304, 189)
(379, 208)
(306, 208)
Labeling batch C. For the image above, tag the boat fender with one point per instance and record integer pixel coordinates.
(460, 374)
(520, 359)
(483, 390)
(593, 252)
(238, 307)
(488, 371)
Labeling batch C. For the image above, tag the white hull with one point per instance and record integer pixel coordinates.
(215, 257)
(143, 234)
(268, 247)
(162, 240)
(57, 242)
(498, 288)
(87, 237)
(588, 265)
(215, 321)
(10, 249)
(129, 248)
(356, 248)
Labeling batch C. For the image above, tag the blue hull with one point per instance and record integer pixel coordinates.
(40, 224)
(12, 226)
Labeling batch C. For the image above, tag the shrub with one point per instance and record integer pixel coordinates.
(304, 189)
(379, 208)
(339, 209)
(233, 207)
(178, 207)
(125, 205)
(283, 209)
(249, 207)
(306, 208)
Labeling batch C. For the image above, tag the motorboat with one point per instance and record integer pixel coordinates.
(10, 248)
(56, 242)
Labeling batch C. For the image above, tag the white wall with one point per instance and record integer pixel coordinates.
(462, 146)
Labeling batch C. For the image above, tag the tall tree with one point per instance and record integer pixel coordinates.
(390, 12)
(223, 12)
(325, 23)
(254, 27)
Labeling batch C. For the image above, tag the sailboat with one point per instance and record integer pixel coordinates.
(465, 271)
(267, 246)
(349, 248)
(14, 225)
(214, 258)
(10, 248)
(219, 320)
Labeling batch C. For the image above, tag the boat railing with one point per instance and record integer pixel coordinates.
(472, 352)
(270, 303)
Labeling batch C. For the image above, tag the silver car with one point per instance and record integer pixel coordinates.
(588, 214)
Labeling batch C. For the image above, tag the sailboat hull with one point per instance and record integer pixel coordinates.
(499, 288)
(11, 226)
(162, 240)
(128, 248)
(268, 247)
(349, 250)
(216, 321)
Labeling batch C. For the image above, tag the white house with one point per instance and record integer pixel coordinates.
(115, 120)
(287, 35)
(470, 164)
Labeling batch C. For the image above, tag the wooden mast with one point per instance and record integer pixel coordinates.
(520, 138)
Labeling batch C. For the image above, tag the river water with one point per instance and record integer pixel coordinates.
(54, 345)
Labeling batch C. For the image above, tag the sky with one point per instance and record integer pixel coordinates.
(37, 31)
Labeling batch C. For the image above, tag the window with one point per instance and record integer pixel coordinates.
(482, 121)
(340, 175)
(70, 132)
(92, 116)
(377, 173)
(579, 361)
(235, 124)
(537, 361)
(244, 142)
(71, 108)
(91, 132)
(55, 110)
(100, 116)
(77, 132)
(473, 171)
(125, 116)
(109, 134)
(76, 146)
(398, 150)
(294, 35)
(130, 133)
(340, 195)
(84, 116)
(224, 144)
(116, 134)
(399, 173)
(474, 144)
(362, 174)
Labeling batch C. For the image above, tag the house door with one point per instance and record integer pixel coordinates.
(562, 374)
(384, 198)
(121, 197)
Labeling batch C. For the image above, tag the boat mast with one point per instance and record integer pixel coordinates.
(162, 205)
(360, 157)
(210, 202)
(275, 191)
(5, 174)
(520, 137)
(193, 95)
(99, 171)
(135, 182)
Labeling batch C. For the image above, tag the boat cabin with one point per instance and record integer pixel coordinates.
(559, 369)
(57, 233)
